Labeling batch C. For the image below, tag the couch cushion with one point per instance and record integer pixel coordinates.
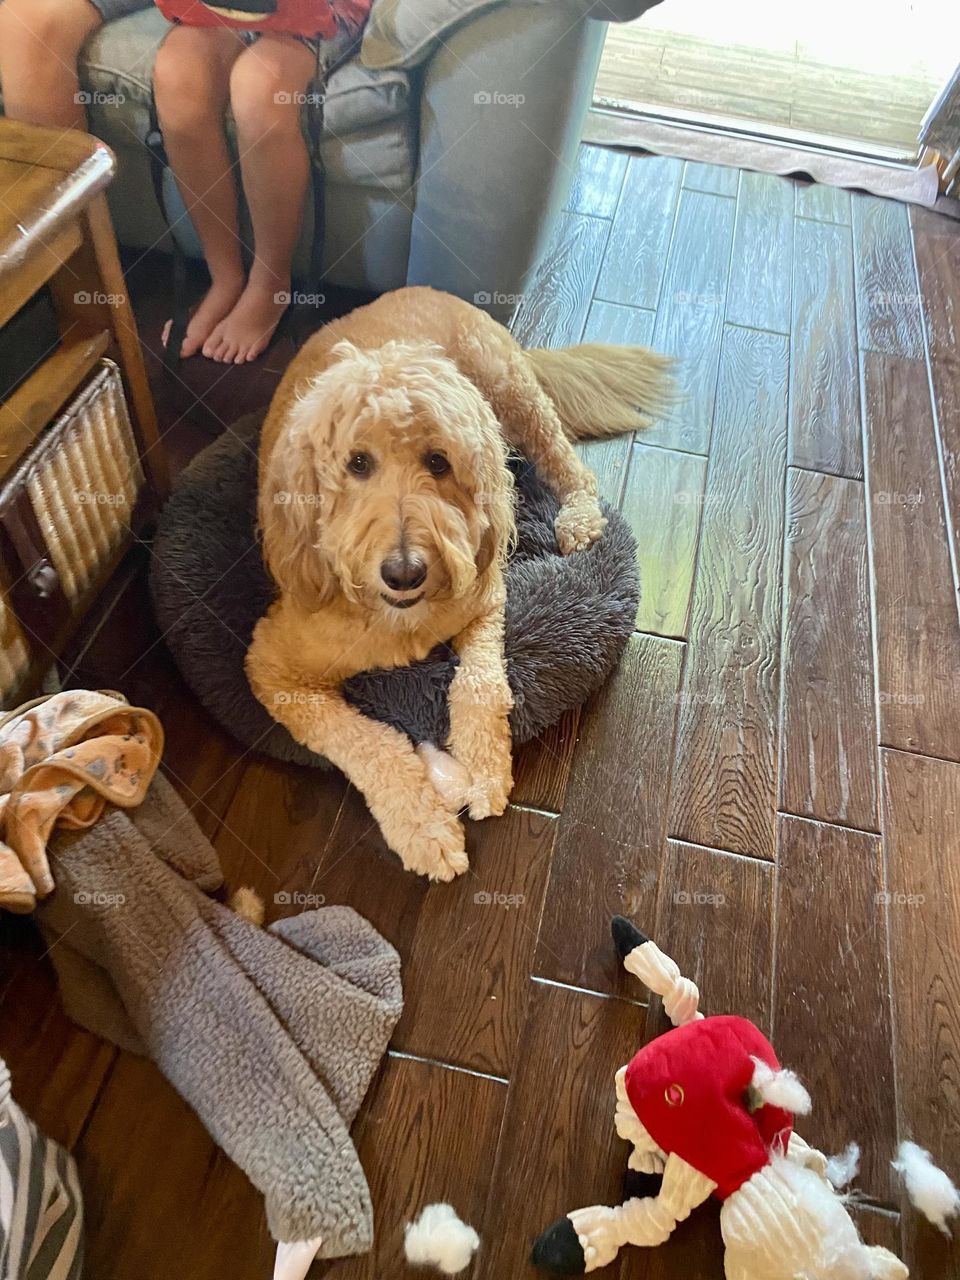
(117, 73)
(403, 33)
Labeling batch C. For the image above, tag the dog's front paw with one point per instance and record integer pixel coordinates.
(436, 848)
(578, 525)
(488, 794)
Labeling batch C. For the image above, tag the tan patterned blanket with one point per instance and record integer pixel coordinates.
(62, 759)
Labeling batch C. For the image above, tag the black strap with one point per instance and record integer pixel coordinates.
(315, 108)
(181, 306)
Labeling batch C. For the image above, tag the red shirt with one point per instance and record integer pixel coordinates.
(289, 17)
(688, 1088)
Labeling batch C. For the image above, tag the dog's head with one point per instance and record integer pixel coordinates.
(388, 482)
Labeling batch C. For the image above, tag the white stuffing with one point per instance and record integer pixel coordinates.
(450, 779)
(781, 1089)
(439, 1239)
(929, 1188)
(843, 1167)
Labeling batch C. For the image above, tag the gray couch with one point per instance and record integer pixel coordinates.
(447, 146)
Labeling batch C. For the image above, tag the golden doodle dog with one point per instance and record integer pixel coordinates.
(386, 514)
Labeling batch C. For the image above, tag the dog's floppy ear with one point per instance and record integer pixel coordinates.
(488, 550)
(289, 510)
(495, 492)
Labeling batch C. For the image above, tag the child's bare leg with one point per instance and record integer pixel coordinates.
(40, 41)
(192, 84)
(266, 88)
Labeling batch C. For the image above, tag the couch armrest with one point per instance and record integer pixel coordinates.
(611, 10)
(501, 114)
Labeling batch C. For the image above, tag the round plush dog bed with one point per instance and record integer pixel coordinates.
(567, 620)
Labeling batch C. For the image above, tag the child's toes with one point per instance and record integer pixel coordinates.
(214, 344)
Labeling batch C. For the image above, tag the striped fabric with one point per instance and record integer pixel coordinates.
(41, 1212)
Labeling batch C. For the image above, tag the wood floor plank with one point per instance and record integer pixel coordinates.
(879, 1227)
(559, 1149)
(633, 264)
(715, 918)
(694, 1251)
(888, 305)
(918, 634)
(467, 974)
(828, 757)
(597, 181)
(541, 767)
(276, 830)
(206, 780)
(610, 838)
(609, 460)
(822, 203)
(690, 316)
(358, 870)
(129, 1146)
(622, 326)
(427, 1135)
(724, 790)
(555, 306)
(56, 1069)
(921, 816)
(832, 1000)
(762, 261)
(938, 266)
(717, 179)
(945, 377)
(662, 503)
(824, 382)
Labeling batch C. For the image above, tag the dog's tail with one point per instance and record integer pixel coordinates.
(602, 390)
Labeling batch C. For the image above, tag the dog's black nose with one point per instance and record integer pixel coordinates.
(403, 571)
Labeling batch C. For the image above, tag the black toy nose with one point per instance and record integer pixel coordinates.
(403, 571)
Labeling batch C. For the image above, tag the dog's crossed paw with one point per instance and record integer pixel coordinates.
(578, 526)
(487, 796)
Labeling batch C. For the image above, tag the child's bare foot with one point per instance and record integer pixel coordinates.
(217, 302)
(246, 332)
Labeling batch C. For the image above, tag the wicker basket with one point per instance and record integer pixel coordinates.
(67, 513)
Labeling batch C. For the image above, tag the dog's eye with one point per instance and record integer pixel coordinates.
(361, 464)
(437, 464)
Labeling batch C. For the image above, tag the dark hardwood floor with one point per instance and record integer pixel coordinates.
(769, 785)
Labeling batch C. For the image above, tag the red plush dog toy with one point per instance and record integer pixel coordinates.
(709, 1108)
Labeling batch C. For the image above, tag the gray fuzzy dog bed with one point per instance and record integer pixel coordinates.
(567, 623)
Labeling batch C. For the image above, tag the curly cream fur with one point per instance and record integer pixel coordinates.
(415, 373)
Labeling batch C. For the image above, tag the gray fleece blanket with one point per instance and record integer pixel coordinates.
(271, 1035)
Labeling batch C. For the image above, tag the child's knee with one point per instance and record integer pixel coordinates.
(264, 98)
(183, 88)
(46, 30)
